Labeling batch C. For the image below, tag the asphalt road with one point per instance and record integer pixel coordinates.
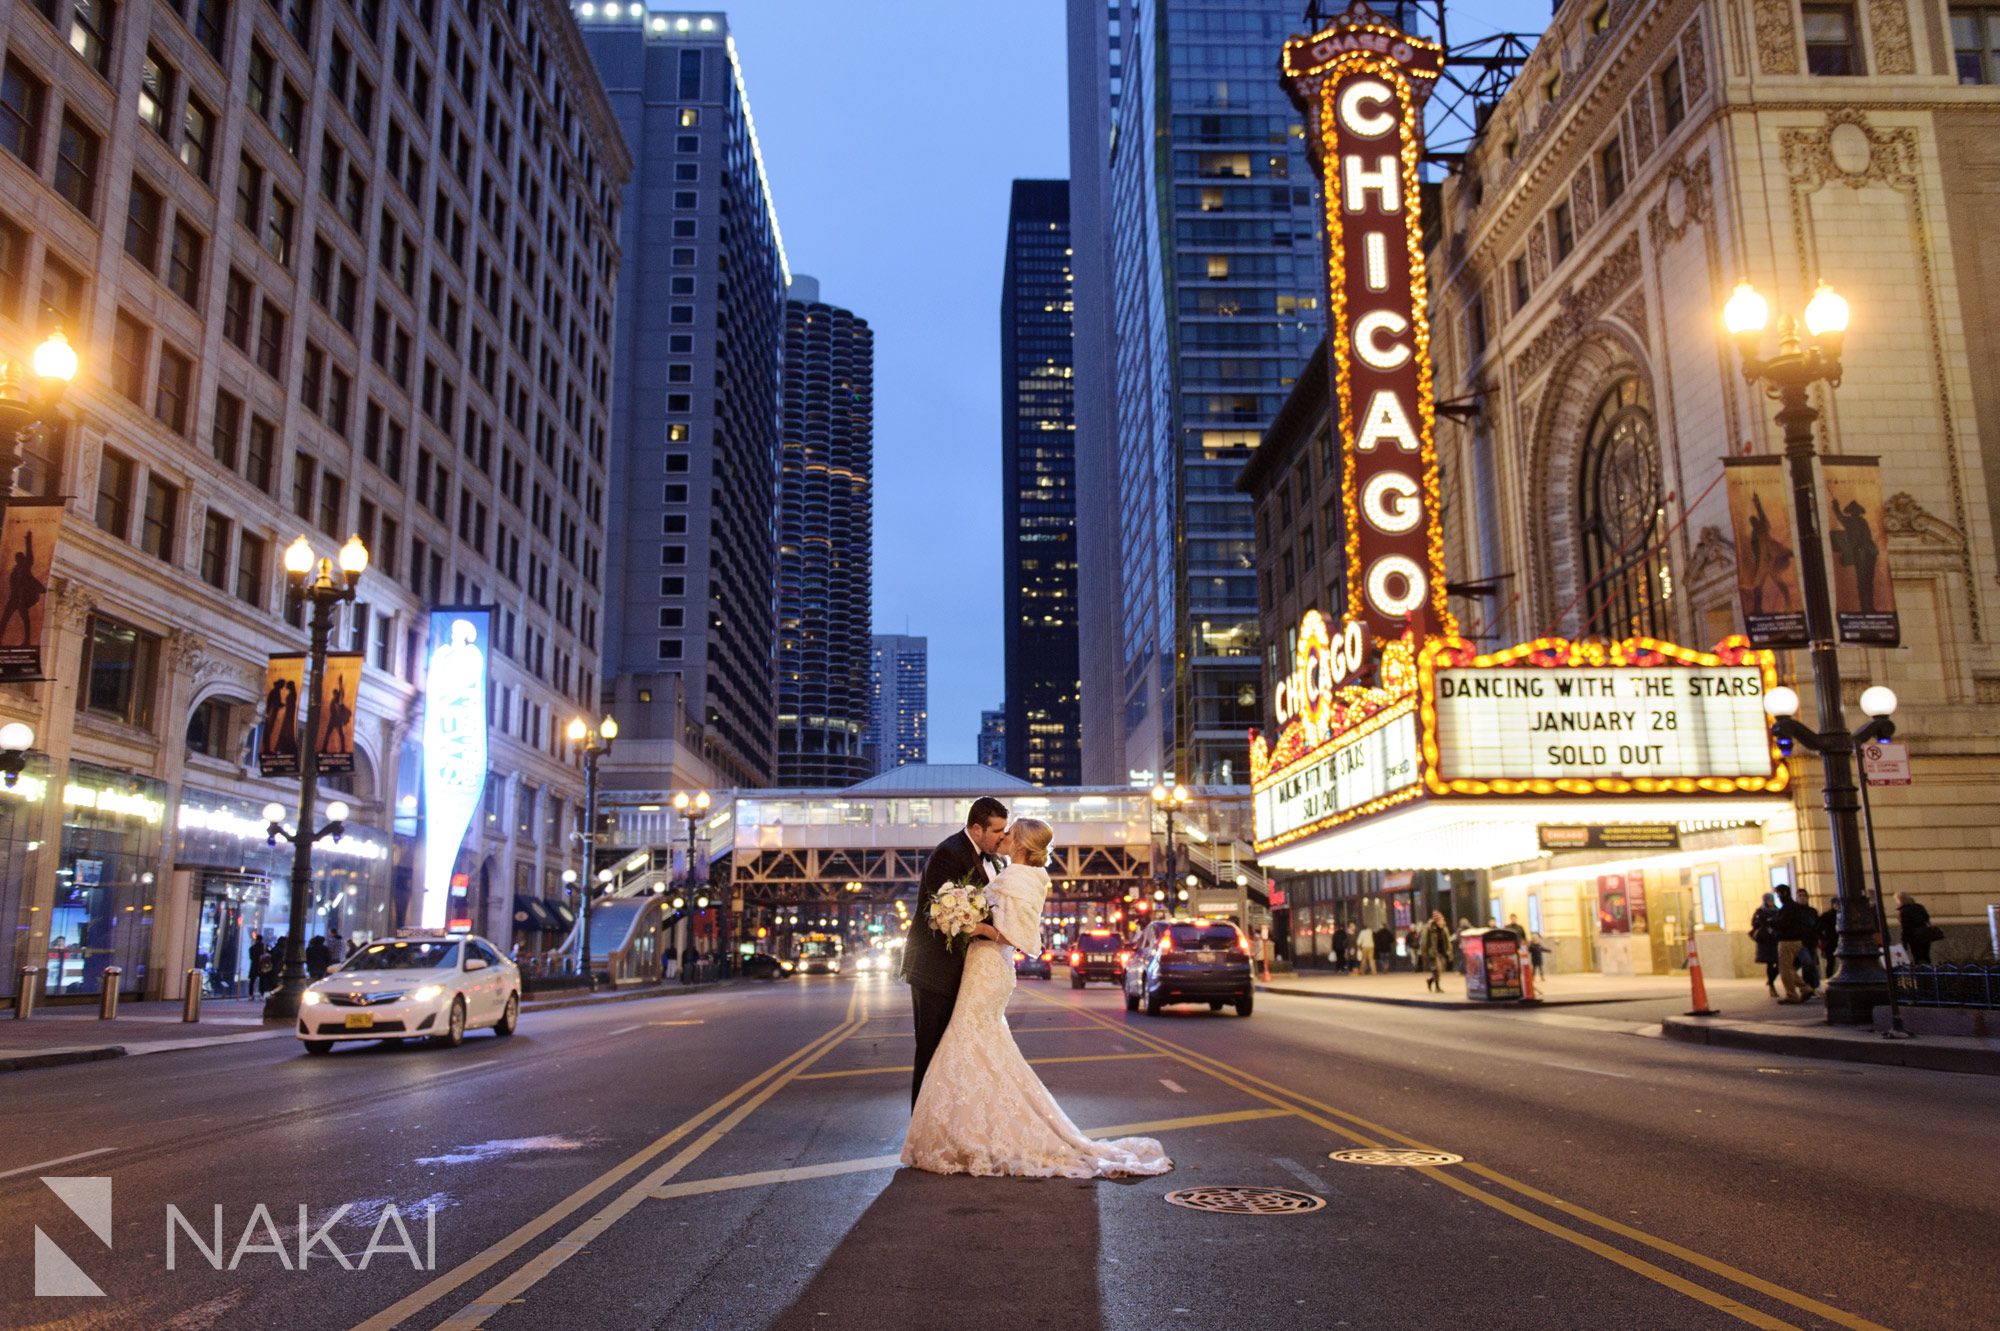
(725, 1160)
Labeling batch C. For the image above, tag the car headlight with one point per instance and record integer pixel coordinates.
(425, 993)
(313, 998)
(785, 965)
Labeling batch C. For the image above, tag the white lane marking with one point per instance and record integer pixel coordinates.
(1578, 1067)
(1301, 1173)
(59, 1160)
(622, 1029)
(1173, 1086)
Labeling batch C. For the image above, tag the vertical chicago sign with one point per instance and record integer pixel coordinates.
(1361, 85)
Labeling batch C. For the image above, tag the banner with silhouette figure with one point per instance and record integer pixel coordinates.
(339, 688)
(1767, 554)
(1857, 563)
(284, 715)
(27, 551)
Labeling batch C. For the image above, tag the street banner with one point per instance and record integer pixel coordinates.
(339, 686)
(1767, 564)
(278, 738)
(27, 550)
(454, 749)
(1864, 595)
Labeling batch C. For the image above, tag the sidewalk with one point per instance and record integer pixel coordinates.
(1407, 988)
(60, 1034)
(1802, 1032)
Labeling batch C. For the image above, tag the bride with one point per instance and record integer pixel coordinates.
(982, 1110)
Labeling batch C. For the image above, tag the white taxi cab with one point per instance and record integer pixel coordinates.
(414, 986)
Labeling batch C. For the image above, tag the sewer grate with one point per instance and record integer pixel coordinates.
(1378, 1155)
(1246, 1201)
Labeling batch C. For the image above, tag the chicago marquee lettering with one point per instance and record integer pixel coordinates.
(1362, 84)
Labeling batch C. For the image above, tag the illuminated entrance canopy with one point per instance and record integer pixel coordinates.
(1361, 84)
(1494, 746)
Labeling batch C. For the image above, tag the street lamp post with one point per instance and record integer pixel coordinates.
(320, 585)
(691, 806)
(1861, 984)
(27, 405)
(596, 742)
(1170, 801)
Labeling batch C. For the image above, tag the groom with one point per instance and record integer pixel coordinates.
(932, 968)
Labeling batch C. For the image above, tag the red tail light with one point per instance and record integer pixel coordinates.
(1242, 944)
(1167, 941)
(1076, 958)
(1048, 956)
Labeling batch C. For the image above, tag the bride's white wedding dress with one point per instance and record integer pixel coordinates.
(982, 1109)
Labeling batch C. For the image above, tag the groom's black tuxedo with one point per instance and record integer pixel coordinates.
(932, 969)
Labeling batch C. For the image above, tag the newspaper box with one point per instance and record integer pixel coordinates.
(1492, 965)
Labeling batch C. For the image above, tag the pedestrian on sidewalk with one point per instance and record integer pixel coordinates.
(1795, 923)
(260, 965)
(1538, 953)
(1809, 951)
(1918, 931)
(318, 957)
(1519, 930)
(1764, 932)
(1340, 947)
(1458, 944)
(1364, 940)
(1435, 950)
(1385, 947)
(1829, 940)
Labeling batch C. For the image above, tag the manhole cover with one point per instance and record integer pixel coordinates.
(1376, 1155)
(1246, 1201)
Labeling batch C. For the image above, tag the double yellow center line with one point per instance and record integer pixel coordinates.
(1363, 1132)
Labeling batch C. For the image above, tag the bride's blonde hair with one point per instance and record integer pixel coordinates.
(1031, 840)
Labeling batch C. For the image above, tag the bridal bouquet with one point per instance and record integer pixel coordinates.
(957, 909)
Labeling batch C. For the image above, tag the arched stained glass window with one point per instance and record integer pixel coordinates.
(1628, 584)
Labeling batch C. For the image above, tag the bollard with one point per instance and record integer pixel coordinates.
(24, 997)
(107, 1001)
(191, 1004)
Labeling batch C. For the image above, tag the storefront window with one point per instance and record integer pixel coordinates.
(105, 894)
(20, 863)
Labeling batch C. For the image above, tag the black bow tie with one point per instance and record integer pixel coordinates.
(992, 861)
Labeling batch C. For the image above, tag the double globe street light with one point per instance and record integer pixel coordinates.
(321, 585)
(595, 742)
(1788, 378)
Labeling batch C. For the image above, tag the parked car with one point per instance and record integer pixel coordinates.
(764, 966)
(414, 986)
(1098, 954)
(1189, 961)
(1034, 965)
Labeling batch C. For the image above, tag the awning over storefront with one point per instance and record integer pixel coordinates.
(538, 914)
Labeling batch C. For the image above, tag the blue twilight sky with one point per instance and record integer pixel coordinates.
(891, 130)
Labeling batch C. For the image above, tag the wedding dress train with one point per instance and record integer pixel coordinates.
(982, 1109)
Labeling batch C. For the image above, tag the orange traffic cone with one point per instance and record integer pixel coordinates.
(1701, 1007)
(1528, 982)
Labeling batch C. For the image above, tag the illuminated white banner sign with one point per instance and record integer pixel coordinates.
(1659, 723)
(454, 746)
(1338, 780)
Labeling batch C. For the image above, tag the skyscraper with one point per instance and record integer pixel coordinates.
(282, 240)
(899, 701)
(993, 740)
(1197, 251)
(691, 618)
(1038, 486)
(825, 542)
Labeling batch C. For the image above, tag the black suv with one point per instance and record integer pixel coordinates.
(1097, 954)
(1189, 961)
